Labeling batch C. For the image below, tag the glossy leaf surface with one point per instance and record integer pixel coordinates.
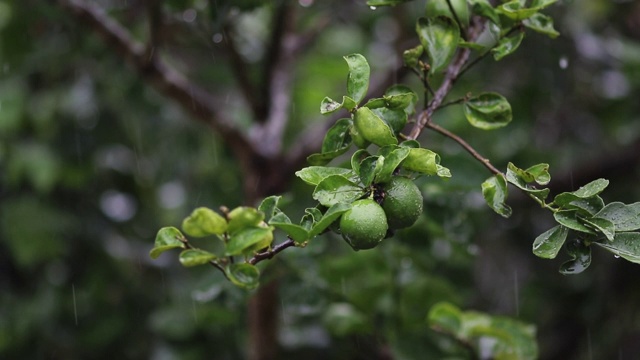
(195, 257)
(243, 275)
(548, 244)
(204, 222)
(167, 238)
(358, 78)
(488, 111)
(439, 36)
(337, 189)
(494, 191)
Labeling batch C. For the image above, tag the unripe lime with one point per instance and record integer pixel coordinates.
(364, 225)
(402, 202)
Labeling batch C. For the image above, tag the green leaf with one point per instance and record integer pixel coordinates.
(328, 106)
(445, 316)
(370, 168)
(569, 219)
(581, 258)
(422, 160)
(336, 189)
(358, 78)
(296, 232)
(243, 217)
(520, 178)
(412, 56)
(591, 189)
(624, 217)
(440, 37)
(194, 257)
(548, 244)
(325, 158)
(488, 111)
(542, 24)
(441, 8)
(312, 175)
(625, 245)
(372, 128)
(494, 190)
(337, 137)
(386, 2)
(540, 173)
(269, 206)
(167, 238)
(483, 8)
(391, 162)
(243, 275)
(249, 239)
(357, 158)
(398, 89)
(396, 119)
(586, 207)
(515, 9)
(507, 46)
(204, 222)
(332, 214)
(603, 226)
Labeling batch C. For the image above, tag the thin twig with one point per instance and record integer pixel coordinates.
(465, 145)
(271, 253)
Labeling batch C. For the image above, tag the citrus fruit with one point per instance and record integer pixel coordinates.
(364, 225)
(402, 202)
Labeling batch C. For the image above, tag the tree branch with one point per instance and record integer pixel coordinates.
(273, 252)
(194, 99)
(453, 70)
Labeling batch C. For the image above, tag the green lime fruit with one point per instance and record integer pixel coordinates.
(402, 202)
(364, 225)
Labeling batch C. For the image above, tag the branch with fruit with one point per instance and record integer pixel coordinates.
(373, 195)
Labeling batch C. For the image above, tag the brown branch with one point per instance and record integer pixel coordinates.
(465, 145)
(193, 98)
(273, 252)
(453, 70)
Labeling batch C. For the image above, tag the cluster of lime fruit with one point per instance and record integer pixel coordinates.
(394, 205)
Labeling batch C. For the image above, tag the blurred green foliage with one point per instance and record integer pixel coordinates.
(93, 161)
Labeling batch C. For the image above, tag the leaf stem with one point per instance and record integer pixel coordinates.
(271, 253)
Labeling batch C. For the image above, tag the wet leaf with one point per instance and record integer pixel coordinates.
(548, 244)
(507, 46)
(488, 111)
(494, 190)
(441, 8)
(372, 128)
(396, 119)
(591, 189)
(391, 162)
(542, 24)
(204, 222)
(626, 245)
(195, 257)
(329, 105)
(336, 189)
(249, 239)
(439, 36)
(398, 89)
(325, 158)
(332, 214)
(581, 258)
(358, 78)
(243, 275)
(515, 9)
(269, 205)
(370, 167)
(422, 160)
(337, 137)
(312, 175)
(624, 217)
(540, 173)
(586, 207)
(357, 138)
(520, 178)
(569, 219)
(357, 158)
(167, 238)
(297, 233)
(603, 226)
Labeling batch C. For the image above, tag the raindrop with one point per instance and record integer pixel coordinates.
(75, 307)
(305, 3)
(616, 256)
(189, 15)
(563, 62)
(217, 38)
(372, 7)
